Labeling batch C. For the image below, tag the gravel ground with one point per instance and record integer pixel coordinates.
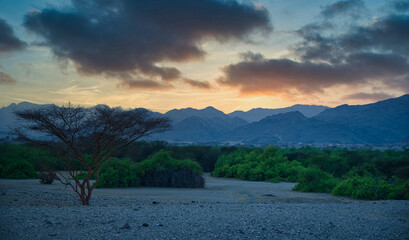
(225, 209)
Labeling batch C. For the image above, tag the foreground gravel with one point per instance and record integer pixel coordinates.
(224, 210)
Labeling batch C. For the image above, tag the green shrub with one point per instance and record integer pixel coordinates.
(20, 170)
(257, 173)
(253, 165)
(366, 169)
(365, 187)
(400, 189)
(47, 177)
(402, 172)
(118, 173)
(243, 171)
(289, 171)
(81, 176)
(220, 171)
(161, 170)
(315, 180)
(36, 156)
(2, 170)
(338, 165)
(162, 160)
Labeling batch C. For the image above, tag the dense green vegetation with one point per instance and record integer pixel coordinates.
(160, 170)
(206, 156)
(43, 160)
(361, 174)
(20, 170)
(162, 161)
(36, 157)
(120, 173)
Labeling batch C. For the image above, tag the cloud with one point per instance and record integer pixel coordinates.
(369, 96)
(386, 34)
(135, 36)
(6, 79)
(249, 56)
(353, 8)
(327, 57)
(400, 5)
(143, 84)
(134, 81)
(271, 76)
(198, 84)
(383, 35)
(8, 41)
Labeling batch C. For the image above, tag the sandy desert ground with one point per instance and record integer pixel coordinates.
(224, 209)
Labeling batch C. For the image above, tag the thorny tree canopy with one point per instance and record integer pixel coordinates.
(99, 131)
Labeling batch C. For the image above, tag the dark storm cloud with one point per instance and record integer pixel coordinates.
(390, 33)
(400, 5)
(369, 96)
(104, 37)
(386, 34)
(378, 51)
(352, 8)
(8, 41)
(6, 79)
(284, 75)
(197, 84)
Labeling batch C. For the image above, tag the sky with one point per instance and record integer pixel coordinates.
(229, 54)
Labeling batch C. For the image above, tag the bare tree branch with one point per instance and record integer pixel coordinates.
(70, 130)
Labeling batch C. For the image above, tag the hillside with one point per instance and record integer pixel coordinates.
(383, 122)
(388, 120)
(294, 127)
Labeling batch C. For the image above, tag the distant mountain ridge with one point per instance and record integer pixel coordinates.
(177, 115)
(200, 130)
(7, 118)
(295, 128)
(382, 122)
(386, 121)
(256, 114)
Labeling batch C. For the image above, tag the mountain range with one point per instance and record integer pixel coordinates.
(256, 114)
(383, 122)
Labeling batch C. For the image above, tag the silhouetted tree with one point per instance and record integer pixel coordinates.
(72, 131)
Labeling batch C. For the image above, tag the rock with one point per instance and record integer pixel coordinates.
(126, 226)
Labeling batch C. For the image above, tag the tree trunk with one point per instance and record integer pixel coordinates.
(84, 201)
(84, 195)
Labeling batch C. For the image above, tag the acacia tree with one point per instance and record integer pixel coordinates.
(85, 138)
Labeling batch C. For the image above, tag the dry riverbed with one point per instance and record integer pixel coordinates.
(225, 209)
